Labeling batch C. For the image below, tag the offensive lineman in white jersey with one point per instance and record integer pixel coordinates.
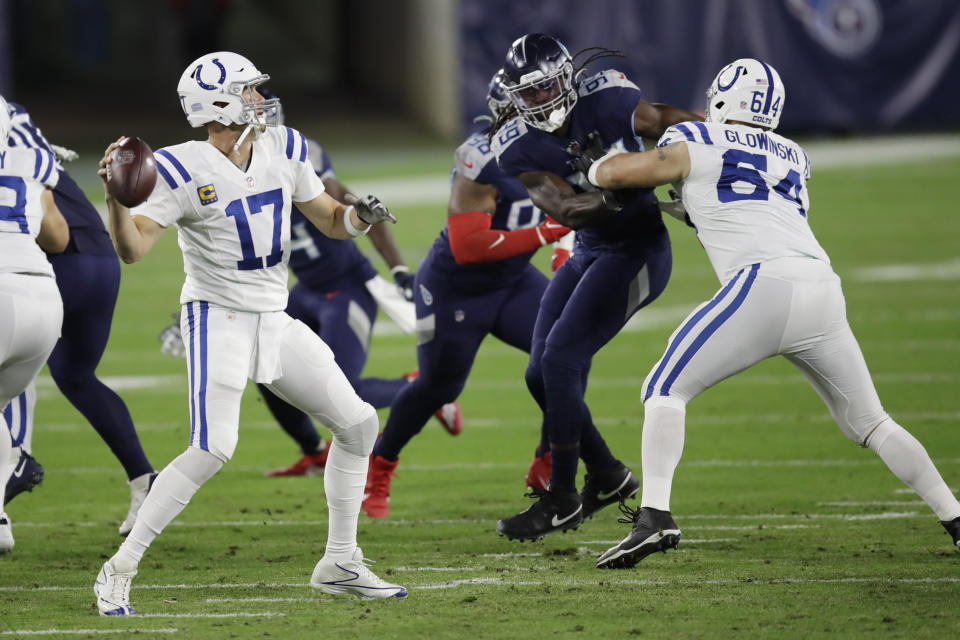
(31, 312)
(744, 190)
(230, 198)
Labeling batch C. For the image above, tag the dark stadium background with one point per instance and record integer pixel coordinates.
(90, 69)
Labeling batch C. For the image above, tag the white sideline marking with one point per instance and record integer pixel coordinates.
(77, 632)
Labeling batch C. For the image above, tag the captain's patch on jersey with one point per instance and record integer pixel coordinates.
(208, 195)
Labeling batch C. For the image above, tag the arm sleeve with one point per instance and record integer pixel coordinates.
(472, 241)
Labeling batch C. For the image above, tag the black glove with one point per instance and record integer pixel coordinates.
(370, 210)
(582, 156)
(171, 342)
(404, 281)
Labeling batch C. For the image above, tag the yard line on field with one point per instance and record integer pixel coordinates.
(762, 527)
(239, 614)
(873, 503)
(439, 569)
(945, 270)
(759, 582)
(510, 555)
(78, 632)
(262, 600)
(684, 540)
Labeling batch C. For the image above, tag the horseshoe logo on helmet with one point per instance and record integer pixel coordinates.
(204, 85)
(736, 74)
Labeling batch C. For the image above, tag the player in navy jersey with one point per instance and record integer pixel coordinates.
(475, 280)
(88, 276)
(620, 263)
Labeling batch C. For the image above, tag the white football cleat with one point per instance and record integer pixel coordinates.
(353, 577)
(139, 487)
(6, 534)
(112, 589)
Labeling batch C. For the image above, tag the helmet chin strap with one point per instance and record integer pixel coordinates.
(246, 131)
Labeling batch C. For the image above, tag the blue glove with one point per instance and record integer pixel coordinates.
(404, 281)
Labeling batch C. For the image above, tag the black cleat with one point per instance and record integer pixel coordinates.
(608, 486)
(553, 511)
(953, 528)
(26, 475)
(653, 530)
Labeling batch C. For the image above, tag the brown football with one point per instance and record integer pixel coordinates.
(132, 173)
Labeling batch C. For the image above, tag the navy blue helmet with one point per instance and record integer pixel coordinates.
(497, 99)
(538, 78)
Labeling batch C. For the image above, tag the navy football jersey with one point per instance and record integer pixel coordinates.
(319, 261)
(475, 160)
(606, 104)
(87, 232)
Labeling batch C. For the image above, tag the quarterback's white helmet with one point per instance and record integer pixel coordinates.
(214, 88)
(5, 124)
(746, 90)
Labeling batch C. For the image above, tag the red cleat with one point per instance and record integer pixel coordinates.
(538, 476)
(376, 495)
(450, 415)
(310, 465)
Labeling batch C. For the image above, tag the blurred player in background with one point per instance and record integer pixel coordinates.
(744, 188)
(230, 198)
(337, 295)
(88, 275)
(31, 312)
(621, 260)
(475, 280)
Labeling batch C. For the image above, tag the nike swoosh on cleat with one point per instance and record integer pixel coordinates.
(20, 468)
(604, 496)
(555, 521)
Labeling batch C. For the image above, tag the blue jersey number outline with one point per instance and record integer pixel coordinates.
(255, 204)
(743, 166)
(18, 212)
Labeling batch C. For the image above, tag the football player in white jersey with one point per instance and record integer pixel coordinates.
(744, 189)
(31, 312)
(230, 198)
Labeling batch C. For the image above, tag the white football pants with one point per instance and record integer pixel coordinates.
(31, 315)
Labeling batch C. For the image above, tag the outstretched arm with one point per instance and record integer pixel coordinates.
(558, 199)
(472, 240)
(650, 120)
(648, 169)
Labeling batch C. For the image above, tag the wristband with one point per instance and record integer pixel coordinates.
(348, 224)
(400, 267)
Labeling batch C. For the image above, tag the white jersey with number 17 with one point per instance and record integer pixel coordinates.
(234, 225)
(746, 194)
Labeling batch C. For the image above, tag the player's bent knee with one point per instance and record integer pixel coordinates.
(877, 436)
(358, 436)
(198, 465)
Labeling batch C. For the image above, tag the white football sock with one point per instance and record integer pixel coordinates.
(343, 481)
(662, 446)
(909, 461)
(171, 492)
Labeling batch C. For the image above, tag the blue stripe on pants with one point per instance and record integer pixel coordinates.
(711, 328)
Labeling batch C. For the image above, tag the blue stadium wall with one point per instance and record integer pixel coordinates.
(848, 65)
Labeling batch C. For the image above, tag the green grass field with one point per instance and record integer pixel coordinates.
(789, 529)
